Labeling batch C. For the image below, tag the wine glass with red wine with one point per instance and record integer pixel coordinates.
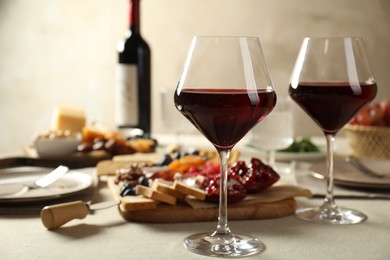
(224, 90)
(331, 82)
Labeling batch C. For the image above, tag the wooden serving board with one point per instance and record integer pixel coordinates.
(182, 212)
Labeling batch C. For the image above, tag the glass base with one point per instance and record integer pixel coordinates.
(331, 215)
(236, 245)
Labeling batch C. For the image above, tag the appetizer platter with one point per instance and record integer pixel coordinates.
(184, 187)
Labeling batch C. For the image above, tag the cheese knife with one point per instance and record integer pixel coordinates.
(54, 216)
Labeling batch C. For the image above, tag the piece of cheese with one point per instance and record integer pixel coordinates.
(68, 118)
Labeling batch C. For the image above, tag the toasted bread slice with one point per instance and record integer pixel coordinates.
(136, 203)
(168, 189)
(189, 190)
(155, 195)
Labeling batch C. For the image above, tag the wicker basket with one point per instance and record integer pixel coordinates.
(368, 142)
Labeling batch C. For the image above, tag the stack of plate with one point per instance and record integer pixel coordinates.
(71, 184)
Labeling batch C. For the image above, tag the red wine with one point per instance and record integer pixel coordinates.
(224, 116)
(332, 105)
(133, 101)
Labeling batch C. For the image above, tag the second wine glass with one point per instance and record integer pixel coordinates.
(331, 82)
(224, 90)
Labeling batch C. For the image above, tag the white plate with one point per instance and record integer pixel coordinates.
(71, 183)
(346, 175)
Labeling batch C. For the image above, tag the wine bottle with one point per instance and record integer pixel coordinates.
(133, 86)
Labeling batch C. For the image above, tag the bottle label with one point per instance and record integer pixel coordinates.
(126, 96)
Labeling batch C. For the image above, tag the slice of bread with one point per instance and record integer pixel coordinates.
(189, 190)
(166, 188)
(155, 195)
(135, 203)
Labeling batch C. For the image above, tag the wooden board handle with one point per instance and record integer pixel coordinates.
(55, 216)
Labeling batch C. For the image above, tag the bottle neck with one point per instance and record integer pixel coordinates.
(134, 17)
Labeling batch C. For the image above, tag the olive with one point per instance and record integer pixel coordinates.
(167, 159)
(127, 188)
(129, 192)
(143, 181)
(176, 155)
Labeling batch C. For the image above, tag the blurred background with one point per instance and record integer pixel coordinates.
(56, 52)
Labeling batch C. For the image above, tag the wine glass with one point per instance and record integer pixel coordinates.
(224, 90)
(171, 120)
(275, 132)
(331, 82)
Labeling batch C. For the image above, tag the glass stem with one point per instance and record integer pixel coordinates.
(329, 198)
(222, 227)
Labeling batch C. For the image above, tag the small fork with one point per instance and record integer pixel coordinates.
(362, 168)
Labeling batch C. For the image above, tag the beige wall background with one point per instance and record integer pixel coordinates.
(56, 52)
